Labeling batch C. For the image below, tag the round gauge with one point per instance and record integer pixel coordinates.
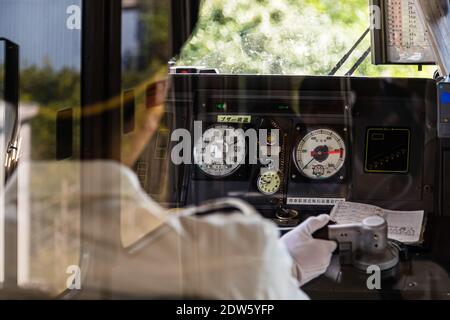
(320, 154)
(269, 182)
(220, 151)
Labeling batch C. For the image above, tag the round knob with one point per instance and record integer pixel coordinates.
(286, 214)
(374, 221)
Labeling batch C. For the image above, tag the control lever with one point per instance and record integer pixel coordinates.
(366, 243)
(322, 233)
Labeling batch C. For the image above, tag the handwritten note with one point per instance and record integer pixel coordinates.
(403, 226)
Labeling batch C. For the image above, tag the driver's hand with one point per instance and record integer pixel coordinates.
(312, 256)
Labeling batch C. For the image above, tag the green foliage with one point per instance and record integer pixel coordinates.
(284, 37)
(51, 91)
(50, 88)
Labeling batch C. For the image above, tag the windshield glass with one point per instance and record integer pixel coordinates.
(305, 37)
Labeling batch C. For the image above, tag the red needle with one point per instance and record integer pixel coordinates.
(329, 152)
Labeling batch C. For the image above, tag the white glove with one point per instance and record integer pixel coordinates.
(312, 256)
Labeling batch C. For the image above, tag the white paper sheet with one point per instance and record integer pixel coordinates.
(403, 226)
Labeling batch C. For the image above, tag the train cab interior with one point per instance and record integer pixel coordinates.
(297, 108)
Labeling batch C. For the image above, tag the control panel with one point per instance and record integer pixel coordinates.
(295, 146)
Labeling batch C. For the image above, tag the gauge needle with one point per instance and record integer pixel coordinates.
(308, 164)
(329, 152)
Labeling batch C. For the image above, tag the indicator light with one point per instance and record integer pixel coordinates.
(221, 106)
(445, 97)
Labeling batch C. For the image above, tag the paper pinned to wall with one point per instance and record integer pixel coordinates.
(403, 226)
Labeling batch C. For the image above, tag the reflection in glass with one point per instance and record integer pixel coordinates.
(145, 53)
(50, 66)
(2, 139)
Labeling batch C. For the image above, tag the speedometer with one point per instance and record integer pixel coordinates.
(220, 151)
(320, 154)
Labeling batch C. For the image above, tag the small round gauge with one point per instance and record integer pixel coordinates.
(269, 182)
(220, 151)
(320, 154)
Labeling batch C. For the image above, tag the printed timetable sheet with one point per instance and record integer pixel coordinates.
(407, 39)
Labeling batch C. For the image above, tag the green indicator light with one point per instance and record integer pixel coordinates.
(283, 107)
(221, 106)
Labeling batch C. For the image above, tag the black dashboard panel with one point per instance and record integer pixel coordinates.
(387, 150)
(326, 121)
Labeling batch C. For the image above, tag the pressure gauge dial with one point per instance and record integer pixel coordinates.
(320, 154)
(269, 182)
(220, 151)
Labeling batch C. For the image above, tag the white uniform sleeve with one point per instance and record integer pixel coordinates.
(216, 256)
(234, 256)
(279, 266)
